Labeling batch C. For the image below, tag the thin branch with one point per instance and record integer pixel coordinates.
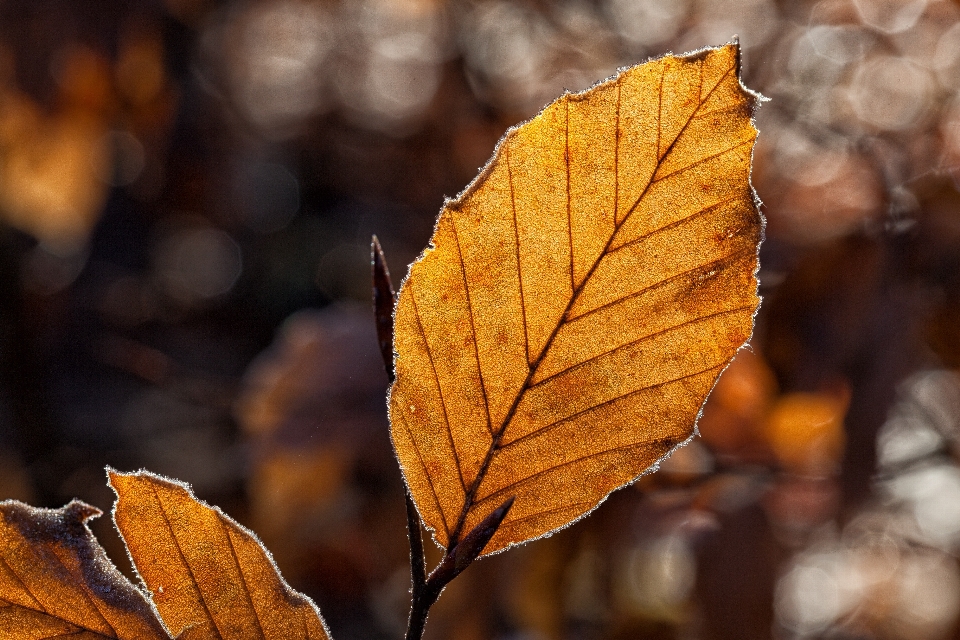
(454, 562)
(384, 300)
(418, 568)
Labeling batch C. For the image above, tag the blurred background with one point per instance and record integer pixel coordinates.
(187, 194)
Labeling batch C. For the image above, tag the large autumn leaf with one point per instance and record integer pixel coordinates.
(209, 577)
(56, 581)
(579, 300)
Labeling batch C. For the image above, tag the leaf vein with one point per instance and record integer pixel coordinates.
(616, 164)
(23, 584)
(574, 416)
(243, 578)
(726, 109)
(540, 514)
(649, 336)
(674, 224)
(659, 441)
(473, 326)
(76, 630)
(516, 237)
(705, 159)
(183, 557)
(436, 379)
(656, 285)
(699, 86)
(426, 472)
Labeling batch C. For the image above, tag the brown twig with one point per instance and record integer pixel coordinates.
(384, 299)
(454, 562)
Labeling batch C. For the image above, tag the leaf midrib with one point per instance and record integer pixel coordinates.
(470, 495)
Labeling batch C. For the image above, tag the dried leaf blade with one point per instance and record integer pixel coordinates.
(579, 300)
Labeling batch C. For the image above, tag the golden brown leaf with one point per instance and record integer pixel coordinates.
(579, 300)
(209, 577)
(56, 581)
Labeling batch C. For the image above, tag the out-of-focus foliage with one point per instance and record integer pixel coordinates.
(179, 177)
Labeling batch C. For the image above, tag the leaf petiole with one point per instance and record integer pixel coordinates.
(457, 558)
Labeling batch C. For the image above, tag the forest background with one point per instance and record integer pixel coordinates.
(187, 194)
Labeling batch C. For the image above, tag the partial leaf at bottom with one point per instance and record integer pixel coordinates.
(56, 580)
(208, 576)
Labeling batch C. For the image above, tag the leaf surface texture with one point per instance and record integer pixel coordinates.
(209, 577)
(579, 300)
(56, 580)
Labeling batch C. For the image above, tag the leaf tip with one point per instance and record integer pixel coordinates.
(737, 59)
(117, 480)
(384, 301)
(501, 512)
(111, 473)
(81, 511)
(123, 481)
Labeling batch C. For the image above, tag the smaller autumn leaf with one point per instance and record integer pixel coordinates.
(56, 580)
(209, 577)
(579, 300)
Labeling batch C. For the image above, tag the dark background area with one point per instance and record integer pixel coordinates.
(187, 194)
